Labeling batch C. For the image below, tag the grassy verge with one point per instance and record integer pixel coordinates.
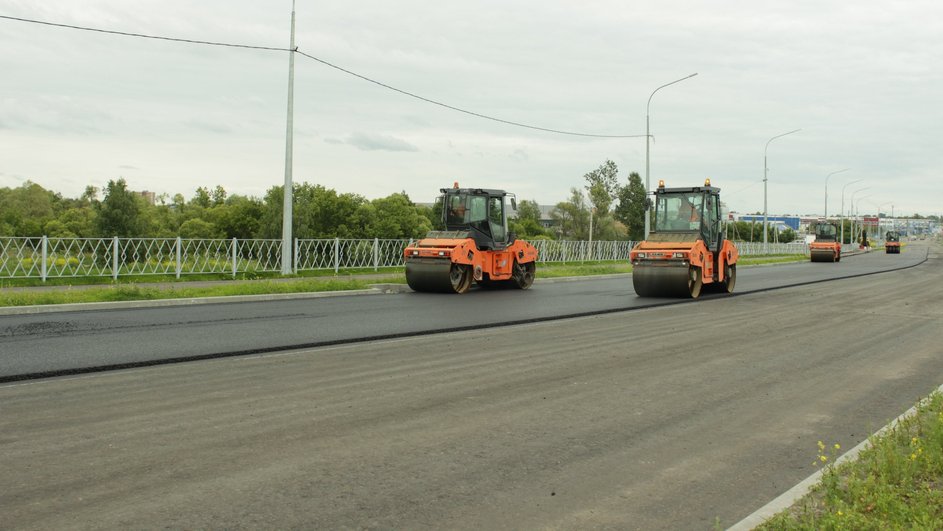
(126, 292)
(772, 259)
(142, 287)
(895, 484)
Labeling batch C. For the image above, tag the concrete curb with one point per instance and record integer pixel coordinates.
(793, 495)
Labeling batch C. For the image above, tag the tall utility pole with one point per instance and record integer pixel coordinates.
(287, 248)
(648, 137)
(765, 172)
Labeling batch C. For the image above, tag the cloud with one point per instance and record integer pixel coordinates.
(378, 142)
(519, 155)
(210, 127)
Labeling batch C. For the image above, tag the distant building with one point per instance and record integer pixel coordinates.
(150, 197)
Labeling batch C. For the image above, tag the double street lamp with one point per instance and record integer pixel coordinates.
(841, 216)
(648, 188)
(826, 190)
(851, 207)
(765, 172)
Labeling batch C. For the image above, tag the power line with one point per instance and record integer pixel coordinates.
(325, 63)
(447, 106)
(144, 36)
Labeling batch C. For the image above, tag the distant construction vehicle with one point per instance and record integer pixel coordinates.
(826, 247)
(686, 251)
(475, 246)
(892, 242)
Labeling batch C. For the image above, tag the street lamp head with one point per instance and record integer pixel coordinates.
(834, 172)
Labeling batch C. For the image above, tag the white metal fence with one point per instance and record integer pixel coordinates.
(46, 257)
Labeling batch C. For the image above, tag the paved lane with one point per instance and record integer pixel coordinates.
(53, 343)
(678, 417)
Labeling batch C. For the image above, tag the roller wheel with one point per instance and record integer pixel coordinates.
(730, 277)
(460, 276)
(523, 275)
(695, 282)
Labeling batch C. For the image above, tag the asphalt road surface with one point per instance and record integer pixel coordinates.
(59, 343)
(686, 416)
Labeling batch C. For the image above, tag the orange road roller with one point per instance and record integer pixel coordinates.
(686, 251)
(475, 247)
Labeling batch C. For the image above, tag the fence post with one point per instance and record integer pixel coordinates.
(235, 266)
(337, 254)
(376, 253)
(179, 253)
(294, 262)
(44, 245)
(114, 260)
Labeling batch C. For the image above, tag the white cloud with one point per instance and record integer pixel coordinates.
(378, 142)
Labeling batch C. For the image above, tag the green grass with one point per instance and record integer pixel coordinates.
(895, 484)
(134, 292)
(772, 259)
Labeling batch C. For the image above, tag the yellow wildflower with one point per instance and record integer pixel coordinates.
(837, 446)
(821, 445)
(823, 458)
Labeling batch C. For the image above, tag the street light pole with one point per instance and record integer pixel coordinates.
(826, 190)
(648, 137)
(765, 172)
(879, 207)
(841, 216)
(853, 212)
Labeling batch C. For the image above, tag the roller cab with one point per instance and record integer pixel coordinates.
(825, 247)
(475, 246)
(686, 251)
(892, 242)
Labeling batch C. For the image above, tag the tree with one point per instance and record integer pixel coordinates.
(199, 229)
(397, 217)
(572, 216)
(318, 213)
(603, 185)
(528, 210)
(527, 223)
(79, 221)
(218, 195)
(119, 212)
(239, 217)
(201, 198)
(26, 209)
(631, 208)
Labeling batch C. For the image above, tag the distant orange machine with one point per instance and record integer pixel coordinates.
(892, 242)
(826, 247)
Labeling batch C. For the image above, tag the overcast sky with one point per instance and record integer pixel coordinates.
(863, 80)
